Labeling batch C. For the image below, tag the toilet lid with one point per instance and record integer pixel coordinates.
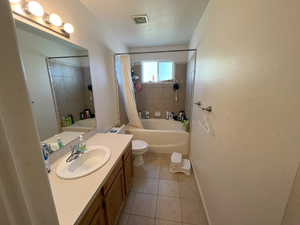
(139, 145)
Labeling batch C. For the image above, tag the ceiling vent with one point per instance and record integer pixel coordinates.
(140, 19)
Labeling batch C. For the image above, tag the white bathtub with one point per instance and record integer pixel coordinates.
(163, 136)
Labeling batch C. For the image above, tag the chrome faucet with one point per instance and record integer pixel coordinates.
(75, 153)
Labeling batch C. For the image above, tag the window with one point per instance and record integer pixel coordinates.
(157, 71)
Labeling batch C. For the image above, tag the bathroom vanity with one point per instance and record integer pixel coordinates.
(98, 198)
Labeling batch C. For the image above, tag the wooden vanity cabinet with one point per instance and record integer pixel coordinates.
(128, 168)
(107, 206)
(115, 199)
(95, 214)
(99, 217)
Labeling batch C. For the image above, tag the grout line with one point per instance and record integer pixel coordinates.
(177, 180)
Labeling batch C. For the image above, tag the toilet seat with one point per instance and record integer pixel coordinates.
(139, 146)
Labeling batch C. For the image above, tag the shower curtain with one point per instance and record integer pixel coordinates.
(123, 73)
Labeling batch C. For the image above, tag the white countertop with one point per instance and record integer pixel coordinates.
(72, 196)
(65, 136)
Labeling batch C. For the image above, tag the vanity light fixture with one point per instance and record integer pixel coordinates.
(68, 28)
(55, 20)
(33, 11)
(35, 8)
(14, 1)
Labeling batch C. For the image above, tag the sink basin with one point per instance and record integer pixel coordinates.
(94, 158)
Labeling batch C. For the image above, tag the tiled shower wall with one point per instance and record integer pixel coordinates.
(160, 97)
(70, 84)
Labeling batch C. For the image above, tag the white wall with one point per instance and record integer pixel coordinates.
(34, 49)
(177, 57)
(101, 48)
(25, 191)
(248, 70)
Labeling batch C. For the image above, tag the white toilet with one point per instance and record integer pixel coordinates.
(139, 148)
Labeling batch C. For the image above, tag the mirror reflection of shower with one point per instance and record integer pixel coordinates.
(72, 92)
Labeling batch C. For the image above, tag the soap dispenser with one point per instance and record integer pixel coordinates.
(60, 143)
(82, 145)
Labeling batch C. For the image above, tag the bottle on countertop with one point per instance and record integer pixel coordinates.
(71, 118)
(46, 152)
(167, 115)
(81, 116)
(87, 113)
(60, 143)
(82, 144)
(69, 121)
(63, 121)
(147, 115)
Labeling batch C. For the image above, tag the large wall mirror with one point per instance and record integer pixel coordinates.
(59, 84)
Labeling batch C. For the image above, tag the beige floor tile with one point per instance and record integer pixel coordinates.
(145, 185)
(188, 190)
(147, 170)
(153, 162)
(168, 208)
(168, 188)
(164, 162)
(129, 203)
(144, 205)
(165, 222)
(150, 156)
(123, 219)
(186, 178)
(140, 220)
(166, 175)
(165, 156)
(187, 187)
(192, 212)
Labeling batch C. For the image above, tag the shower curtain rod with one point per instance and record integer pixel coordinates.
(66, 57)
(166, 51)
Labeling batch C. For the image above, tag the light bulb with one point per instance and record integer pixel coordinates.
(14, 1)
(68, 28)
(55, 20)
(18, 9)
(35, 8)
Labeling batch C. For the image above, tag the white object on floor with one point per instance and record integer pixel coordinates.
(176, 158)
(139, 148)
(178, 164)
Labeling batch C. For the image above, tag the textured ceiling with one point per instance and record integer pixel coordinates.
(171, 22)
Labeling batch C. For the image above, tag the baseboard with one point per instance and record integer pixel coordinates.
(201, 194)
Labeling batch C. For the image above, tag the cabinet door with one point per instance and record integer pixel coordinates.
(115, 199)
(101, 214)
(92, 215)
(128, 172)
(99, 218)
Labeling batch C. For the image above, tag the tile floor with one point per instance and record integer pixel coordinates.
(161, 198)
